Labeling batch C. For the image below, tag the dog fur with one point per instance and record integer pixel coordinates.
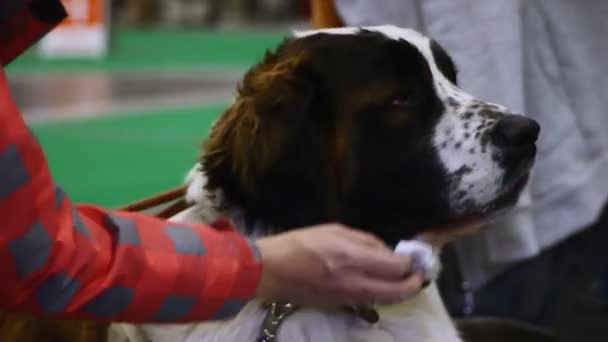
(363, 126)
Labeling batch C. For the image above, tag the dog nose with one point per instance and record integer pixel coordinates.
(514, 131)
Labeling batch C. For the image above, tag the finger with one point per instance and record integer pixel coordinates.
(372, 291)
(356, 289)
(379, 264)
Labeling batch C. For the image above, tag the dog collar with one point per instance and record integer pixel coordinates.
(277, 312)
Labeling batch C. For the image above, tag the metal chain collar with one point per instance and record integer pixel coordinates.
(277, 312)
(275, 315)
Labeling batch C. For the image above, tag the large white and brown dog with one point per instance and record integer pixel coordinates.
(363, 126)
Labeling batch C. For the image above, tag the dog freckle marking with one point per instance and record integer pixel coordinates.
(463, 170)
(483, 150)
(457, 145)
(444, 144)
(468, 203)
(471, 186)
(468, 115)
(466, 125)
(477, 134)
(452, 102)
(495, 157)
(472, 150)
(467, 135)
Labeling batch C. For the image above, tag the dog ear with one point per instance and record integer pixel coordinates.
(273, 99)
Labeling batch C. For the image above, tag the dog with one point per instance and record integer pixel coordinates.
(366, 127)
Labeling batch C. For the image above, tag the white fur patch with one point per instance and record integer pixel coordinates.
(204, 208)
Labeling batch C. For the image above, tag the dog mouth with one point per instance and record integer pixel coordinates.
(469, 222)
(515, 180)
(509, 194)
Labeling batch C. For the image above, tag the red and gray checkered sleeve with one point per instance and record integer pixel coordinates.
(23, 22)
(83, 261)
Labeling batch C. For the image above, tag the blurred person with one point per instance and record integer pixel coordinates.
(547, 59)
(83, 261)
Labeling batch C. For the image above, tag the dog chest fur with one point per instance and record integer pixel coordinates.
(421, 319)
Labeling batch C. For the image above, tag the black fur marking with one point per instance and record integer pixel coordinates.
(444, 62)
(463, 170)
(453, 103)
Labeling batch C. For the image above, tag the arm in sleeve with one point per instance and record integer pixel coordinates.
(83, 261)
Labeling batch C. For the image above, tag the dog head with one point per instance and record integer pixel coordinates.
(365, 126)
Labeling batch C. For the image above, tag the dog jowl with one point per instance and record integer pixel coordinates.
(365, 126)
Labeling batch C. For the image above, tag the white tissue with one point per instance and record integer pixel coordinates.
(423, 257)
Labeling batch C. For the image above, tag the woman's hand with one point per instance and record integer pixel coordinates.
(334, 265)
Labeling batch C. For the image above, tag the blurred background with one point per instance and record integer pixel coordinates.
(146, 80)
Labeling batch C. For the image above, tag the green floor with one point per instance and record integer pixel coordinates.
(113, 160)
(135, 50)
(125, 156)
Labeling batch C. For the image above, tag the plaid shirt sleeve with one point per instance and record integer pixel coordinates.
(83, 261)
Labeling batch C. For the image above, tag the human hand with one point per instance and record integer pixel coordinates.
(334, 265)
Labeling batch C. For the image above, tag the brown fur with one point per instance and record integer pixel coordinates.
(249, 131)
(23, 328)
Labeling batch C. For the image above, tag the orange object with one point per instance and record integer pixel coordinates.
(324, 14)
(84, 12)
(84, 33)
